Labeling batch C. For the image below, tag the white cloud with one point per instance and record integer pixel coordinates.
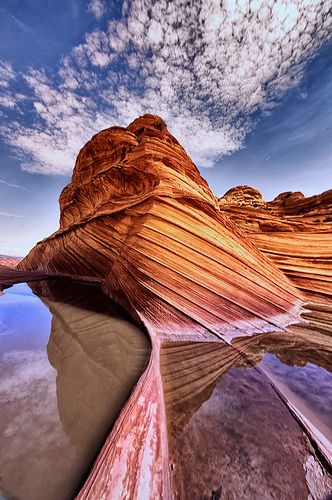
(7, 74)
(203, 67)
(7, 101)
(155, 33)
(97, 8)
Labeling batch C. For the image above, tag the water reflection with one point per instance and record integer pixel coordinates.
(232, 435)
(60, 394)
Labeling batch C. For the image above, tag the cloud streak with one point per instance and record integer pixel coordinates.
(7, 74)
(10, 184)
(206, 69)
(15, 216)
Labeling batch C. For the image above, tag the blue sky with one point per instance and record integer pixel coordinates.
(246, 88)
(291, 149)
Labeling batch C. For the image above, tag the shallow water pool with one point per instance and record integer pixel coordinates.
(68, 362)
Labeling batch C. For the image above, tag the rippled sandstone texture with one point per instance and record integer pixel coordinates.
(294, 231)
(138, 217)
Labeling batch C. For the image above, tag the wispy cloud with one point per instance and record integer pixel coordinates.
(16, 216)
(22, 25)
(10, 184)
(7, 101)
(204, 67)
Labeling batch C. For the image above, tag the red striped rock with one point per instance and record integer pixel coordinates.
(7, 261)
(138, 217)
(294, 231)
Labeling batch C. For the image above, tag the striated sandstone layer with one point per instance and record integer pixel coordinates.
(294, 231)
(138, 218)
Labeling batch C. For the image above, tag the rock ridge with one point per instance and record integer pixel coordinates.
(138, 216)
(293, 231)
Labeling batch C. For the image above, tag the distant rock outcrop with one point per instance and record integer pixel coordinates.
(244, 195)
(294, 231)
(8, 261)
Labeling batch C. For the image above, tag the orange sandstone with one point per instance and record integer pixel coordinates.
(138, 216)
(293, 231)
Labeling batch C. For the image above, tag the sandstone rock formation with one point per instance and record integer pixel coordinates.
(294, 231)
(245, 196)
(138, 218)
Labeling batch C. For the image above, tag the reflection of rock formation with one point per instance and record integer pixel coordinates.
(99, 356)
(294, 231)
(191, 370)
(242, 443)
(228, 426)
(298, 347)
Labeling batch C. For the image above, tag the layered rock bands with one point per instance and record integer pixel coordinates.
(139, 218)
(294, 231)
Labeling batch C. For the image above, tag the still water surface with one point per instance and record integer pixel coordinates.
(231, 418)
(68, 362)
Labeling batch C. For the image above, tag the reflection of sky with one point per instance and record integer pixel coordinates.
(310, 383)
(24, 320)
(32, 437)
